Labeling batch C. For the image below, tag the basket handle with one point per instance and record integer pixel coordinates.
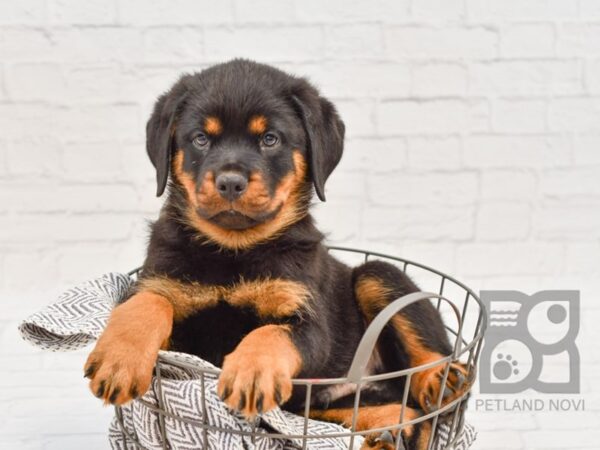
(369, 339)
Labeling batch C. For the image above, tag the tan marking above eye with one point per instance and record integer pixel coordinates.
(212, 125)
(257, 124)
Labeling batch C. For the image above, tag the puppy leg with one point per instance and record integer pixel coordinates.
(257, 375)
(120, 366)
(414, 437)
(418, 329)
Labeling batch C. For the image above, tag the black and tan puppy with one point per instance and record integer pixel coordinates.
(236, 271)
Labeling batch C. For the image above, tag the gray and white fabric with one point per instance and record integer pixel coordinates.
(77, 319)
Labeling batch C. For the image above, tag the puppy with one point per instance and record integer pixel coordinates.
(237, 273)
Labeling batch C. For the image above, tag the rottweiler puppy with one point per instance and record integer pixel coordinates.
(237, 273)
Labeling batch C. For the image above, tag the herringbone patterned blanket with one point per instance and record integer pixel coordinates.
(77, 319)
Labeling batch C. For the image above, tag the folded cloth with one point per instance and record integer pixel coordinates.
(77, 319)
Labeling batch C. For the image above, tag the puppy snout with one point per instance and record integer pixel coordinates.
(231, 185)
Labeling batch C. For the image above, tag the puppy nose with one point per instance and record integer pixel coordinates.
(231, 185)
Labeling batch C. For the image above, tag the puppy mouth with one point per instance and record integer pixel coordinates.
(231, 219)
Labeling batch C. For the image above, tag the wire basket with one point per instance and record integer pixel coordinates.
(465, 321)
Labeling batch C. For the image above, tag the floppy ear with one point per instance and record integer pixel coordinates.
(325, 134)
(159, 134)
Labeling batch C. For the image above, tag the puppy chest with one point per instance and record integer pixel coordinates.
(210, 320)
(214, 332)
(267, 298)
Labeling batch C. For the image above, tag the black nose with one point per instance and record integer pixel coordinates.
(231, 185)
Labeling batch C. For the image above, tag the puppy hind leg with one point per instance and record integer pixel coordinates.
(418, 331)
(413, 437)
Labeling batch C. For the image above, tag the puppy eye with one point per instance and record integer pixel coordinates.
(200, 141)
(269, 139)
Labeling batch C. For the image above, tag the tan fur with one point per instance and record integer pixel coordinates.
(424, 437)
(371, 417)
(257, 124)
(186, 298)
(368, 417)
(208, 196)
(213, 126)
(122, 361)
(286, 201)
(271, 297)
(427, 383)
(257, 375)
(182, 177)
(372, 295)
(255, 200)
(256, 197)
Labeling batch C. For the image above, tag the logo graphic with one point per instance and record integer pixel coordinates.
(530, 342)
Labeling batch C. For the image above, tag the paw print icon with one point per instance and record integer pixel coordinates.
(530, 343)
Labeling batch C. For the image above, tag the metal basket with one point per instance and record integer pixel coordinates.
(467, 310)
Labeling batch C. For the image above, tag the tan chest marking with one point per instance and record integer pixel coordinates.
(270, 297)
(289, 198)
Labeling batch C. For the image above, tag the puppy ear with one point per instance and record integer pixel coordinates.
(325, 134)
(159, 134)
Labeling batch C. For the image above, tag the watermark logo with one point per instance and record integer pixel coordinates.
(530, 343)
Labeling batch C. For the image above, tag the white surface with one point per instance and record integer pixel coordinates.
(473, 145)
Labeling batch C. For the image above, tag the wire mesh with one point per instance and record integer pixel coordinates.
(465, 350)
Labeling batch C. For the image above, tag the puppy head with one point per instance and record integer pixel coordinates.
(243, 143)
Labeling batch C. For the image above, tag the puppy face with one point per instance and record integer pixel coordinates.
(243, 142)
(239, 166)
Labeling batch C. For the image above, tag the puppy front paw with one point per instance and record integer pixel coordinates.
(120, 366)
(119, 371)
(254, 384)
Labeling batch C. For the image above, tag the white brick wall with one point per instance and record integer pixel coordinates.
(473, 145)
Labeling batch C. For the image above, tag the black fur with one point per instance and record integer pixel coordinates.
(159, 139)
(326, 136)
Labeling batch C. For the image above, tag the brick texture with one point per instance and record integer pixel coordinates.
(473, 146)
